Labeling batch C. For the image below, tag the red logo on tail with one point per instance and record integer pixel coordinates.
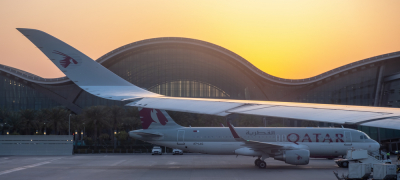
(67, 59)
(149, 116)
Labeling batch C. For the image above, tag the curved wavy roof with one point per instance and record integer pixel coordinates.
(187, 41)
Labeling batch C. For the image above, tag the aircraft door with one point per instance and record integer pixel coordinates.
(347, 138)
(180, 137)
(278, 138)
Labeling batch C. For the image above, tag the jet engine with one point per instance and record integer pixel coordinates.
(295, 157)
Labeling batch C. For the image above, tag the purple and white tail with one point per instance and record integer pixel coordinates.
(156, 118)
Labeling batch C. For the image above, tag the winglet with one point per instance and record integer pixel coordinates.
(82, 70)
(235, 135)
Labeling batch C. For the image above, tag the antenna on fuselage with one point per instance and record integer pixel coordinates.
(342, 127)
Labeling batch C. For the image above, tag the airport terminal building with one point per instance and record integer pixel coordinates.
(183, 67)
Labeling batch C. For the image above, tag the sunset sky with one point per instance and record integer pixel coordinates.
(285, 38)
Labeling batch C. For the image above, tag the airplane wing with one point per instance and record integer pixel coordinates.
(250, 143)
(101, 82)
(257, 145)
(340, 114)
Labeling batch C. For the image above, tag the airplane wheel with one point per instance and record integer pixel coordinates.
(345, 164)
(262, 164)
(257, 162)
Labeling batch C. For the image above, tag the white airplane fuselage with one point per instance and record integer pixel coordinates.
(219, 140)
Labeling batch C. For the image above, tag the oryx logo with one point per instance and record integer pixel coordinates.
(149, 116)
(67, 59)
(299, 157)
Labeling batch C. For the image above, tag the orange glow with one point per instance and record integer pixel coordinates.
(289, 39)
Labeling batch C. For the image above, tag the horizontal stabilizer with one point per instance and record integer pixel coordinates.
(147, 135)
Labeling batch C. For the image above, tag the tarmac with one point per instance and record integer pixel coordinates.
(166, 166)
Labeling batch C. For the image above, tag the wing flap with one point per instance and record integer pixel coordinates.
(390, 123)
(339, 116)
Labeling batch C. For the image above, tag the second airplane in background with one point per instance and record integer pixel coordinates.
(291, 145)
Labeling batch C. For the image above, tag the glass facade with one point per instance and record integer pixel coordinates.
(355, 87)
(186, 72)
(16, 95)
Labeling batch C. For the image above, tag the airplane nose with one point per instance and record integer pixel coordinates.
(376, 146)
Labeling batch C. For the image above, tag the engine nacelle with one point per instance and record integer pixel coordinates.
(247, 152)
(295, 157)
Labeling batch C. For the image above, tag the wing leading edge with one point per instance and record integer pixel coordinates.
(101, 82)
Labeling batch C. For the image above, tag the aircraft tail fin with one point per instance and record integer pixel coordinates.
(156, 118)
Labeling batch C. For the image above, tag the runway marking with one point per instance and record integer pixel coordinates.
(28, 166)
(24, 167)
(171, 163)
(118, 163)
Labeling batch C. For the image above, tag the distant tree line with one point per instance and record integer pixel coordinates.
(96, 121)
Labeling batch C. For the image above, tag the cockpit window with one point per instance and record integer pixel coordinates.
(362, 137)
(366, 137)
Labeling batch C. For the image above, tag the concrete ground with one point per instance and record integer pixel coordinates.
(166, 166)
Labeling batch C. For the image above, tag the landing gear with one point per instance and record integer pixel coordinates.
(260, 163)
(344, 164)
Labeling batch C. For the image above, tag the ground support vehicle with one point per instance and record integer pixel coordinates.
(361, 156)
(177, 151)
(156, 150)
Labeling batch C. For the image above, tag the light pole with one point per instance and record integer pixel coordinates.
(115, 139)
(83, 129)
(44, 129)
(69, 124)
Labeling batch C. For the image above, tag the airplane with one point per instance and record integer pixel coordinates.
(292, 145)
